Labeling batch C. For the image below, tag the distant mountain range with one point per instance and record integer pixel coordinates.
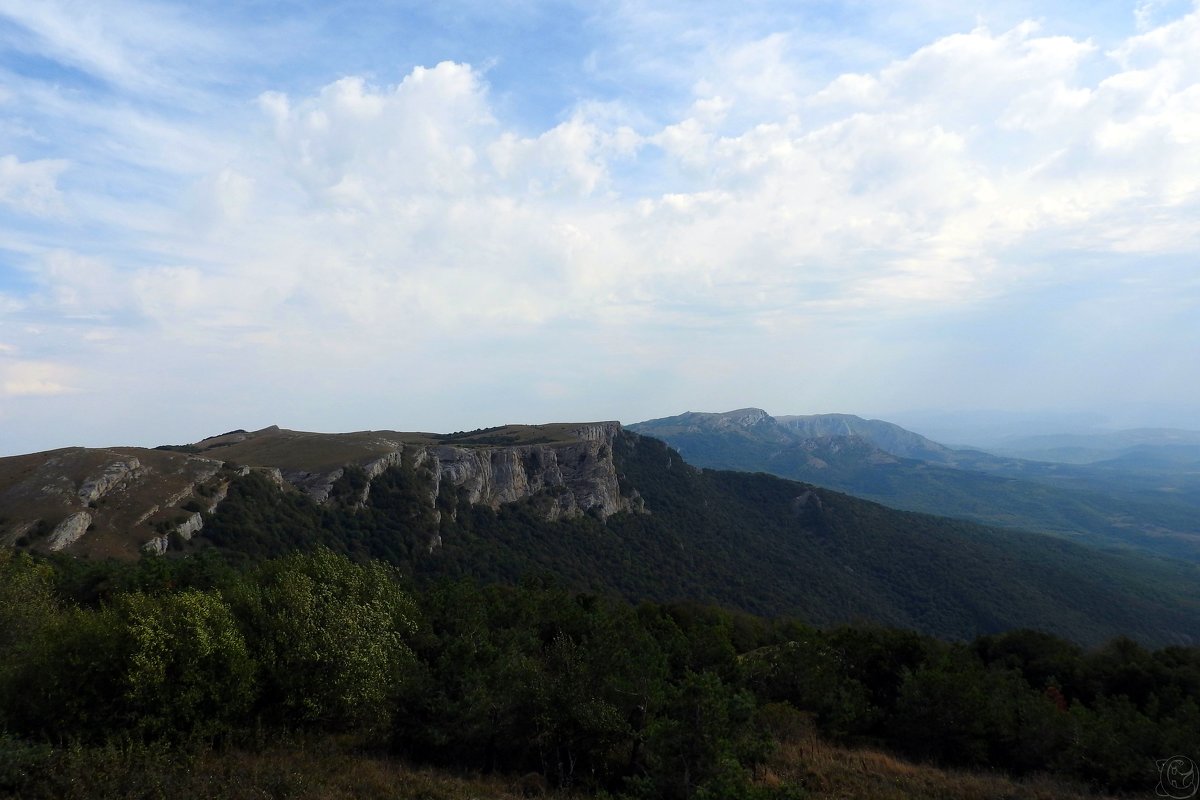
(1147, 498)
(601, 509)
(1087, 448)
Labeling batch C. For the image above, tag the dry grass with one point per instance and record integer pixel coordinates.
(830, 772)
(305, 775)
(332, 769)
(323, 451)
(318, 771)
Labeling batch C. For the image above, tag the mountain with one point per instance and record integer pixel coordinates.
(118, 502)
(1087, 448)
(884, 435)
(740, 540)
(597, 508)
(1101, 504)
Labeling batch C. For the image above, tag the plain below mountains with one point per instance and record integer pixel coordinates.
(1147, 497)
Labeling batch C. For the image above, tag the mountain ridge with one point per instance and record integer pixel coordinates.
(602, 509)
(1099, 503)
(121, 501)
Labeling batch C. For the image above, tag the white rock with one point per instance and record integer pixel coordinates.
(69, 530)
(114, 475)
(157, 546)
(189, 528)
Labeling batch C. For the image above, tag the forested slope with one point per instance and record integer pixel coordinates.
(746, 541)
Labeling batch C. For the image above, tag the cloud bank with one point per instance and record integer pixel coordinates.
(1004, 216)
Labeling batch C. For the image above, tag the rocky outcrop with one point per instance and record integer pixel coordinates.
(69, 530)
(219, 494)
(178, 497)
(134, 499)
(805, 500)
(188, 528)
(273, 474)
(115, 474)
(317, 485)
(576, 477)
(147, 514)
(157, 546)
(376, 467)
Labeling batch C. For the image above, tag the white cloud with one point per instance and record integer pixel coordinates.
(125, 42)
(38, 378)
(412, 208)
(31, 186)
(414, 224)
(80, 285)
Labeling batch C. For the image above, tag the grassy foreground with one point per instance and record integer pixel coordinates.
(330, 769)
(830, 772)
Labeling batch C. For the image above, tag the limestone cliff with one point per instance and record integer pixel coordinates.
(579, 475)
(138, 500)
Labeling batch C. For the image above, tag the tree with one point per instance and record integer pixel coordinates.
(330, 637)
(187, 670)
(701, 741)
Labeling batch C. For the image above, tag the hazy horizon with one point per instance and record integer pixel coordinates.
(338, 217)
(974, 428)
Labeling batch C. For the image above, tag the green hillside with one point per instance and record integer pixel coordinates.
(747, 541)
(1097, 504)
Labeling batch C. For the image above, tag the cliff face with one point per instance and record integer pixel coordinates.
(117, 502)
(579, 475)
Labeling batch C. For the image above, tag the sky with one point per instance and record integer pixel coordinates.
(441, 216)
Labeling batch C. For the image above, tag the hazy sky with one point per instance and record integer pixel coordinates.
(438, 216)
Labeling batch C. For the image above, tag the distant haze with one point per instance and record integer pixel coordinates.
(444, 216)
(990, 428)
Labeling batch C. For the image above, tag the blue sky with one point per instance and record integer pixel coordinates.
(336, 216)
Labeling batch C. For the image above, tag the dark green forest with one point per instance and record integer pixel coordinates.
(663, 653)
(580, 690)
(745, 541)
(1095, 504)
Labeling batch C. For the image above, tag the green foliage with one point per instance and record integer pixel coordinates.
(70, 678)
(701, 742)
(759, 544)
(187, 669)
(156, 666)
(27, 603)
(811, 675)
(1109, 506)
(329, 637)
(590, 693)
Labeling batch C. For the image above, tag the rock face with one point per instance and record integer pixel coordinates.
(69, 530)
(579, 476)
(219, 494)
(317, 485)
(157, 546)
(191, 526)
(133, 500)
(114, 475)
